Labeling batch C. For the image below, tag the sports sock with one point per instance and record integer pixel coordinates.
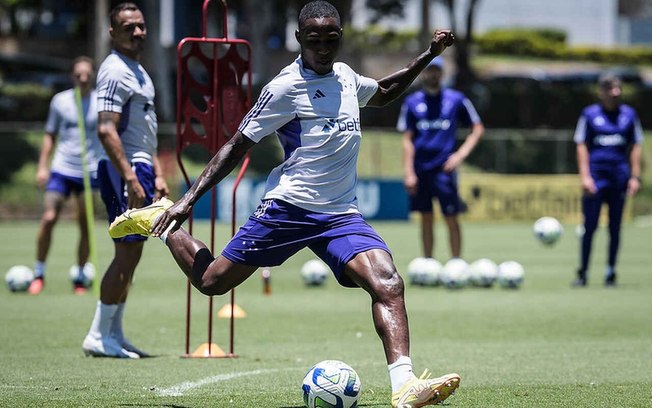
(164, 235)
(116, 324)
(610, 271)
(400, 372)
(104, 314)
(39, 269)
(80, 274)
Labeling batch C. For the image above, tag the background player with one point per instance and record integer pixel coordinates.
(65, 175)
(608, 138)
(428, 120)
(130, 175)
(310, 200)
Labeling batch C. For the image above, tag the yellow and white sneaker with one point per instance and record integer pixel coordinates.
(138, 220)
(424, 391)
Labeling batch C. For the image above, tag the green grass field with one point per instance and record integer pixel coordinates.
(544, 345)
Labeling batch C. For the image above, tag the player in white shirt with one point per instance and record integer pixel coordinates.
(64, 176)
(129, 174)
(313, 107)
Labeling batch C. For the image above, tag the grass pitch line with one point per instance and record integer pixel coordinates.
(179, 389)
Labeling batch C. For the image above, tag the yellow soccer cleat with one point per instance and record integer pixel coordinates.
(424, 391)
(138, 220)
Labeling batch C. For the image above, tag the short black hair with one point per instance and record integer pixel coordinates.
(318, 9)
(608, 80)
(113, 16)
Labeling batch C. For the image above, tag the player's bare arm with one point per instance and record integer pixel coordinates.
(456, 159)
(43, 171)
(634, 183)
(410, 180)
(107, 132)
(588, 184)
(160, 185)
(220, 166)
(393, 85)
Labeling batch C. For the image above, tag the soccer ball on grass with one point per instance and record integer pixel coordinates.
(85, 278)
(18, 278)
(510, 274)
(455, 274)
(331, 384)
(547, 230)
(483, 272)
(424, 271)
(314, 272)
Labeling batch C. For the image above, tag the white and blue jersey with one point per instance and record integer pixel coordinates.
(124, 87)
(317, 120)
(608, 135)
(433, 120)
(62, 122)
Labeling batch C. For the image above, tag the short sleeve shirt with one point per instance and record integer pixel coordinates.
(317, 120)
(433, 121)
(124, 87)
(62, 122)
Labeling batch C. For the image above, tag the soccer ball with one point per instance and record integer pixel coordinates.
(331, 384)
(431, 272)
(510, 274)
(87, 276)
(314, 272)
(18, 278)
(548, 230)
(455, 273)
(483, 272)
(424, 271)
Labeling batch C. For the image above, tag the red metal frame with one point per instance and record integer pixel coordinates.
(225, 99)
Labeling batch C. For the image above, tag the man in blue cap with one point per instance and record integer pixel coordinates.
(428, 121)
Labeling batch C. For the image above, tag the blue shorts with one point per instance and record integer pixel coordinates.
(440, 185)
(277, 230)
(114, 192)
(66, 185)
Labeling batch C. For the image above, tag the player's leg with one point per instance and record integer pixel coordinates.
(616, 203)
(591, 205)
(454, 235)
(83, 246)
(210, 275)
(421, 202)
(53, 200)
(374, 271)
(451, 206)
(427, 233)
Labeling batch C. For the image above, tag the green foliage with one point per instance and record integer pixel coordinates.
(376, 38)
(27, 101)
(15, 152)
(551, 44)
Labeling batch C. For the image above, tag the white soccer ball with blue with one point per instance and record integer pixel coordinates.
(415, 270)
(431, 275)
(547, 230)
(331, 384)
(455, 274)
(18, 278)
(314, 272)
(86, 277)
(510, 274)
(483, 272)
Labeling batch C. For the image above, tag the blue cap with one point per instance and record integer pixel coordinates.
(438, 62)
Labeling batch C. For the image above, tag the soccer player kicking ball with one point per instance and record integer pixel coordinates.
(313, 106)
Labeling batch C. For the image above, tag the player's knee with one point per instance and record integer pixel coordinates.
(204, 279)
(49, 218)
(390, 284)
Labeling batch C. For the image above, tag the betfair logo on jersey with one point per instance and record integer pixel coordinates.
(609, 140)
(438, 124)
(342, 125)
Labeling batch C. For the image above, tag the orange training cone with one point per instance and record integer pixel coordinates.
(225, 312)
(202, 351)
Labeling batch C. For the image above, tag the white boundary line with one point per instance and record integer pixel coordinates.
(179, 389)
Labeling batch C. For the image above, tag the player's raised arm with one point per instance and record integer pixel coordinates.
(393, 85)
(219, 167)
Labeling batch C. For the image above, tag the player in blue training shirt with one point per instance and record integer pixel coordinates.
(65, 175)
(313, 107)
(130, 175)
(608, 138)
(429, 120)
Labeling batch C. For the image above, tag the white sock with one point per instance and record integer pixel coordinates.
(39, 269)
(400, 372)
(101, 326)
(164, 235)
(116, 324)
